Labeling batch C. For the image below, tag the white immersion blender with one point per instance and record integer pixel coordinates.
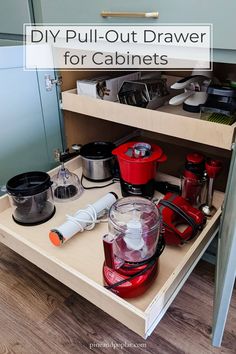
(83, 219)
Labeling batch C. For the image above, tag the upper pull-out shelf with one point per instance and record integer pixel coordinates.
(168, 120)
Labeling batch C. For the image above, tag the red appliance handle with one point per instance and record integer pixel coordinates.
(108, 251)
(111, 260)
(171, 219)
(163, 158)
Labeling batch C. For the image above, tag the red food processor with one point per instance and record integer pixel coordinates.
(138, 163)
(132, 246)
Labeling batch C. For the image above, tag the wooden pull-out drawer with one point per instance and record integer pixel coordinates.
(168, 120)
(78, 263)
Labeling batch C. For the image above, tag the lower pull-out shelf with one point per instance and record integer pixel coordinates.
(78, 263)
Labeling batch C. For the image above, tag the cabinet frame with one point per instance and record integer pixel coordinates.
(140, 320)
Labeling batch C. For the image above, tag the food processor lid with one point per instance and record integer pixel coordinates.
(97, 150)
(28, 184)
(134, 212)
(122, 151)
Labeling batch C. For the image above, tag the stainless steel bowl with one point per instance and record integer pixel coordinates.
(98, 161)
(98, 170)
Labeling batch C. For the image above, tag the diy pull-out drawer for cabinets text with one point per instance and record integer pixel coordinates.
(78, 263)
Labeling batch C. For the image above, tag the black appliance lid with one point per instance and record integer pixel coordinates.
(97, 150)
(221, 91)
(28, 184)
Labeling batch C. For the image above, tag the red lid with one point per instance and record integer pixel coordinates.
(213, 167)
(195, 158)
(156, 153)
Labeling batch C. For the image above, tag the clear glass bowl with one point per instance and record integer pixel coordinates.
(66, 185)
(134, 225)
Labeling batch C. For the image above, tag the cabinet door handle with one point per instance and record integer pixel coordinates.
(130, 14)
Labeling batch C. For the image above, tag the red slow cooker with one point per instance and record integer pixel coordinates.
(138, 163)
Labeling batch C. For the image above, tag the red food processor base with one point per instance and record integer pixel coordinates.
(133, 286)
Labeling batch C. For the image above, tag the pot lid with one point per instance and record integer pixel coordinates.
(97, 150)
(195, 158)
(156, 152)
(28, 184)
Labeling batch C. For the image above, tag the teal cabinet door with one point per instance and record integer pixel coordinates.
(30, 128)
(221, 15)
(13, 13)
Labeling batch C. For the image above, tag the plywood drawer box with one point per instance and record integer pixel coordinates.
(78, 263)
(168, 120)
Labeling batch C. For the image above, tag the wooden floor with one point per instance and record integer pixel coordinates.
(40, 315)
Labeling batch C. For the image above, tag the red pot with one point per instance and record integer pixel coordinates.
(139, 170)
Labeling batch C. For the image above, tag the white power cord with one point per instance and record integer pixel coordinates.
(91, 221)
(83, 219)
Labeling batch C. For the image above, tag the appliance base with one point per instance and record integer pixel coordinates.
(140, 190)
(132, 287)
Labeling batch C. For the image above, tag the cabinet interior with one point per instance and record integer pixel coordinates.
(80, 128)
(78, 263)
